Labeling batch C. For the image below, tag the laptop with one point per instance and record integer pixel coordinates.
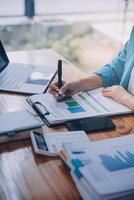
(24, 78)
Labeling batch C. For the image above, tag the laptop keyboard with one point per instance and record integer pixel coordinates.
(14, 77)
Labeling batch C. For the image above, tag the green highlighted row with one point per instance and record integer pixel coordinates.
(88, 103)
(72, 103)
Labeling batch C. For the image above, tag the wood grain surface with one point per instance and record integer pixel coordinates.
(25, 175)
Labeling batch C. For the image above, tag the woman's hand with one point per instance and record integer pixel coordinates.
(68, 89)
(118, 93)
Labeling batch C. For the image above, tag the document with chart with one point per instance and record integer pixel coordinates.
(114, 167)
(104, 170)
(82, 105)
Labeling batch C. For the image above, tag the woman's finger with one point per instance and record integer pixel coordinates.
(64, 89)
(107, 89)
(54, 93)
(107, 93)
(53, 88)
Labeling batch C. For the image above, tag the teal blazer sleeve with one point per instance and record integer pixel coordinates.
(112, 72)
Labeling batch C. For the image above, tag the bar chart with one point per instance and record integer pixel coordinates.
(73, 106)
(119, 161)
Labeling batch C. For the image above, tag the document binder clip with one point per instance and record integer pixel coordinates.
(41, 108)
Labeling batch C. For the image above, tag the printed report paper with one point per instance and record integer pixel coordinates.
(107, 166)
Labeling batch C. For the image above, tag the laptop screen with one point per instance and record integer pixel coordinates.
(3, 58)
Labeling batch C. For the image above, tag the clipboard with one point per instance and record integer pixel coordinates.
(42, 112)
(83, 105)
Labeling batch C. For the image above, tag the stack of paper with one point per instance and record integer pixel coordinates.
(102, 170)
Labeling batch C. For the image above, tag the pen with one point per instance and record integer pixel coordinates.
(50, 82)
(59, 70)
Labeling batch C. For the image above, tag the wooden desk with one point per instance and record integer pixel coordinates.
(24, 175)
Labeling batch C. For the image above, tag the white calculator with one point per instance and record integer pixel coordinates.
(50, 143)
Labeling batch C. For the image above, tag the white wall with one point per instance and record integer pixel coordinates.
(70, 6)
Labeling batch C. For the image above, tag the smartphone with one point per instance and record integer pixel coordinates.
(91, 124)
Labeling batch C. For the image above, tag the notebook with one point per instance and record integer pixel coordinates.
(82, 105)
